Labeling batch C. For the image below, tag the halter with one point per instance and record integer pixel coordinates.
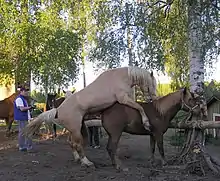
(187, 106)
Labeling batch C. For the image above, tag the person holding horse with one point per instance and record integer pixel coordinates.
(22, 115)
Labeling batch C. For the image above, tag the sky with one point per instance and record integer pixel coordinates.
(161, 78)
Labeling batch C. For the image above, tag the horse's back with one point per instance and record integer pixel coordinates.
(121, 118)
(120, 112)
(101, 93)
(107, 79)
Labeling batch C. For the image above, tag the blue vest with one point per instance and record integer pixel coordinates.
(18, 114)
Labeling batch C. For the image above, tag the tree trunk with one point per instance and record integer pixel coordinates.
(129, 48)
(193, 152)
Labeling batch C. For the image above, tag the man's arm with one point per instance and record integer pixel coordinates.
(20, 105)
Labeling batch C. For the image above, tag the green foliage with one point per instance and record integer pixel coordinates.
(38, 96)
(159, 35)
(162, 90)
(35, 39)
(50, 39)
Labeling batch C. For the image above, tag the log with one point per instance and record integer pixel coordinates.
(93, 122)
(198, 124)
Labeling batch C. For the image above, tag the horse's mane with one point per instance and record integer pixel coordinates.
(142, 77)
(135, 73)
(165, 102)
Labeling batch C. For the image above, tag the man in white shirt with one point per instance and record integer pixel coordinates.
(22, 115)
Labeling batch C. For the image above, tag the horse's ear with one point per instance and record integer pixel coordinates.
(151, 74)
(184, 90)
(64, 91)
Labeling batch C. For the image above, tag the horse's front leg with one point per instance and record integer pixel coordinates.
(54, 131)
(152, 147)
(159, 140)
(123, 98)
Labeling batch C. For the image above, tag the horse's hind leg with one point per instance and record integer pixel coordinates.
(77, 147)
(112, 149)
(75, 153)
(8, 127)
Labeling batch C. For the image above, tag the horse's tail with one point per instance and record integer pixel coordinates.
(33, 126)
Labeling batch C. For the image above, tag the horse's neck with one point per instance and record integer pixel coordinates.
(47, 105)
(170, 106)
(11, 98)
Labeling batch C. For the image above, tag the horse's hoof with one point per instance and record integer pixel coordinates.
(88, 164)
(119, 168)
(151, 159)
(147, 127)
(77, 160)
(125, 169)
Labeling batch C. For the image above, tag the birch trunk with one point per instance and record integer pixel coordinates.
(129, 48)
(193, 151)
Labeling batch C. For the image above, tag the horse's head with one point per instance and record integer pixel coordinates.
(194, 103)
(50, 100)
(68, 93)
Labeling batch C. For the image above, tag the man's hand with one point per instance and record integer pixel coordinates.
(33, 106)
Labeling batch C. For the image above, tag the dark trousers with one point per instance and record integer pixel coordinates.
(94, 135)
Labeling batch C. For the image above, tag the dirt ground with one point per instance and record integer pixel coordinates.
(52, 161)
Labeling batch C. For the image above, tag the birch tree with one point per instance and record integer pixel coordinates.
(194, 150)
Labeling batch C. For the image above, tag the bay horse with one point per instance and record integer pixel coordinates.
(120, 118)
(53, 102)
(113, 85)
(7, 111)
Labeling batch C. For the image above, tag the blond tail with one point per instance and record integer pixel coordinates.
(33, 126)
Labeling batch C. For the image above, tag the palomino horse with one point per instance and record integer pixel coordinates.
(120, 118)
(52, 102)
(111, 86)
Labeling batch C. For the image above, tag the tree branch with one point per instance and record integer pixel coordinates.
(215, 4)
